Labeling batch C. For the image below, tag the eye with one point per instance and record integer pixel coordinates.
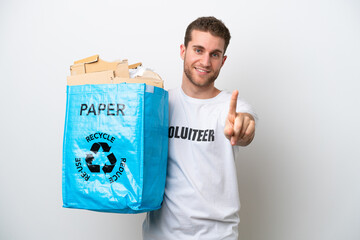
(197, 50)
(215, 55)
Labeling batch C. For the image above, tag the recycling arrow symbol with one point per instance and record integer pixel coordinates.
(90, 158)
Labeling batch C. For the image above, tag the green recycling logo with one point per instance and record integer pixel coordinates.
(96, 168)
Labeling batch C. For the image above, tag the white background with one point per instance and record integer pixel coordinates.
(296, 62)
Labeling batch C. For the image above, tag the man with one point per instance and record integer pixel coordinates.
(201, 198)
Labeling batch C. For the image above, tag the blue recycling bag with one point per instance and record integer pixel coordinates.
(115, 147)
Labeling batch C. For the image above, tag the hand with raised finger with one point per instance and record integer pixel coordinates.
(239, 127)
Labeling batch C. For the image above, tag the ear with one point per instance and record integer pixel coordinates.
(223, 60)
(182, 51)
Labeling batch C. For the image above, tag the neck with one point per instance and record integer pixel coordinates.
(201, 92)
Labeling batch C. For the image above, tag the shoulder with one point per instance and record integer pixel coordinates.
(173, 94)
(173, 91)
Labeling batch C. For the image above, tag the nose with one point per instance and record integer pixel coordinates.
(205, 60)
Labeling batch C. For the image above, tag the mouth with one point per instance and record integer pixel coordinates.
(202, 70)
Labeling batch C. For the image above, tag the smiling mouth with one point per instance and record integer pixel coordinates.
(202, 70)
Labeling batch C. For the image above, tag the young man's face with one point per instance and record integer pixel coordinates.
(203, 58)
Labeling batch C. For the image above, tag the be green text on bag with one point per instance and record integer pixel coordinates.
(115, 147)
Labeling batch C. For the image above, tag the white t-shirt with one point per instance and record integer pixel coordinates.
(201, 198)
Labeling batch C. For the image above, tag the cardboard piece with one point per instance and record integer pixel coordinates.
(149, 81)
(105, 77)
(133, 66)
(95, 64)
(93, 70)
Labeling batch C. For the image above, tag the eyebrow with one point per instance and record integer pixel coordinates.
(201, 47)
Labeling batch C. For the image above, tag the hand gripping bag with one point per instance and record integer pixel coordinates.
(115, 147)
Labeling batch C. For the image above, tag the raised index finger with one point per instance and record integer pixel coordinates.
(233, 101)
